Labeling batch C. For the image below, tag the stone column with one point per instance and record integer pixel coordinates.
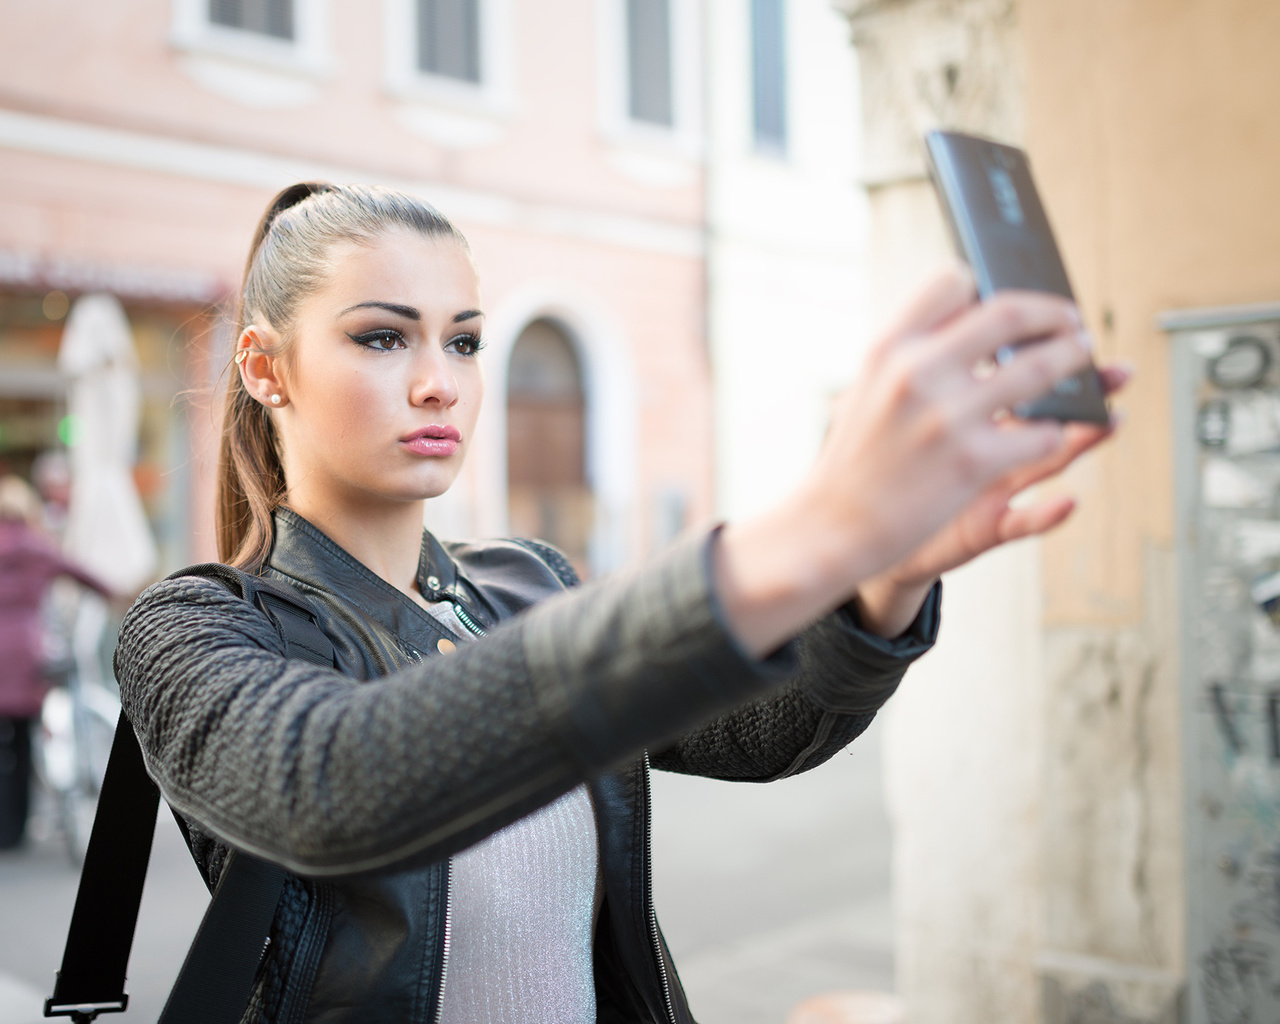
(1032, 767)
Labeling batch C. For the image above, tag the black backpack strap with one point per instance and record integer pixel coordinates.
(91, 980)
(554, 557)
(217, 976)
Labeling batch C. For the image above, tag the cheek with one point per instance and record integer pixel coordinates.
(351, 403)
(471, 388)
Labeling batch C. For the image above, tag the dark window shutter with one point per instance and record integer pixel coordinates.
(449, 38)
(649, 61)
(268, 17)
(769, 74)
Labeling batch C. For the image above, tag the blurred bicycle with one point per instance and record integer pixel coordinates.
(78, 717)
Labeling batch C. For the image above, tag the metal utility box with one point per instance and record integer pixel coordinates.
(1226, 401)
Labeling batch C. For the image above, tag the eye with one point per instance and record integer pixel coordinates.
(465, 344)
(382, 340)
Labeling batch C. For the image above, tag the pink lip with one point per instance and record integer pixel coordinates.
(434, 440)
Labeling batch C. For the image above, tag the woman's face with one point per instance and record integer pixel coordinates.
(382, 387)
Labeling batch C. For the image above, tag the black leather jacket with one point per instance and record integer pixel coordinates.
(363, 791)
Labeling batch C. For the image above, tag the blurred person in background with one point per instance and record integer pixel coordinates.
(461, 801)
(51, 477)
(28, 564)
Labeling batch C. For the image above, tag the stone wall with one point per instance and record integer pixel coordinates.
(1034, 758)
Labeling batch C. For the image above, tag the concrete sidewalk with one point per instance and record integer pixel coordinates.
(37, 892)
(769, 895)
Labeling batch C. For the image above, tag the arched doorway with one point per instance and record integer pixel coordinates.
(548, 494)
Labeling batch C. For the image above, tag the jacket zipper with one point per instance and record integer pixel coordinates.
(445, 942)
(475, 629)
(472, 626)
(654, 938)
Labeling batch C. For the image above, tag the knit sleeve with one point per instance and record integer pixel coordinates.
(327, 776)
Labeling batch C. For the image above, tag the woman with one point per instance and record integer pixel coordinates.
(467, 835)
(28, 564)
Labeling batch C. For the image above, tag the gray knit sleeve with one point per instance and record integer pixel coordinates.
(327, 776)
(845, 674)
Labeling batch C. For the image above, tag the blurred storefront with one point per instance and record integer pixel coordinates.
(170, 335)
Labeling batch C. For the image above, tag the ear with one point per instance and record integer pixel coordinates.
(259, 368)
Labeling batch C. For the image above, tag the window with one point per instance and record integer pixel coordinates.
(449, 38)
(768, 75)
(262, 53)
(269, 17)
(547, 491)
(450, 64)
(649, 61)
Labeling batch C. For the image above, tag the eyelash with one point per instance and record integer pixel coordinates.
(464, 344)
(370, 339)
(472, 342)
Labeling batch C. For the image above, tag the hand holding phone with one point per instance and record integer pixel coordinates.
(1001, 230)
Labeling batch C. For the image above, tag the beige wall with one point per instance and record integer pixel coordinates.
(1154, 134)
(1155, 137)
(1035, 757)
(115, 64)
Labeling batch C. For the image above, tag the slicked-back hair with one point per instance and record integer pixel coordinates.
(288, 261)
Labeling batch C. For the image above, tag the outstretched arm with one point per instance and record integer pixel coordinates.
(918, 468)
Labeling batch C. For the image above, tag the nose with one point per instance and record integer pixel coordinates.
(433, 381)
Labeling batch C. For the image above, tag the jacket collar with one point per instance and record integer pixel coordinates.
(305, 553)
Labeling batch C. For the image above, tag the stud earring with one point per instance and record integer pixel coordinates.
(275, 399)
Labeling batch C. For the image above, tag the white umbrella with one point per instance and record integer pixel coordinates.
(107, 529)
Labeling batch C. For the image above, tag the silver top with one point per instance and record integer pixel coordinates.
(521, 917)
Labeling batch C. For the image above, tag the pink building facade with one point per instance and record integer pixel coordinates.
(140, 141)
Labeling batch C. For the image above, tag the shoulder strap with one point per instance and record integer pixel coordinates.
(217, 976)
(91, 980)
(290, 611)
(554, 557)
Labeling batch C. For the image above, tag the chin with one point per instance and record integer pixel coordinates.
(423, 490)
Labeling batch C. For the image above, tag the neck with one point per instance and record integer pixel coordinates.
(386, 537)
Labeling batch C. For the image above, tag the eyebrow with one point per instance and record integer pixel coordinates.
(409, 312)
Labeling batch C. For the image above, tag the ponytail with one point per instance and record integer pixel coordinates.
(288, 261)
(250, 474)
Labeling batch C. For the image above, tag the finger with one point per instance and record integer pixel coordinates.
(1114, 378)
(1031, 373)
(1017, 447)
(1035, 519)
(948, 291)
(1078, 438)
(1006, 320)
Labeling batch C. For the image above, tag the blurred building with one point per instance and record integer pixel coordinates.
(786, 241)
(1084, 775)
(140, 141)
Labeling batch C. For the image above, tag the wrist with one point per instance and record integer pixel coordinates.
(888, 606)
(778, 572)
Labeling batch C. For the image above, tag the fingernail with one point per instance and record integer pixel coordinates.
(1085, 339)
(1128, 367)
(1118, 417)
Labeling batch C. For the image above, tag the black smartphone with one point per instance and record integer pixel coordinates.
(1001, 230)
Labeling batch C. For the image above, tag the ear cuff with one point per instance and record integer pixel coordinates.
(241, 356)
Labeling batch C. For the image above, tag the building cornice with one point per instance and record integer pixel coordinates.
(230, 165)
